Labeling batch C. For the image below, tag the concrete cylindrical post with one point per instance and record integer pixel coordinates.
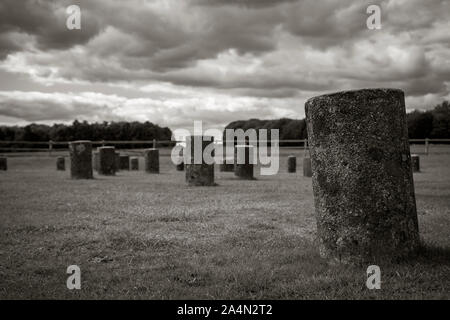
(201, 173)
(60, 164)
(81, 159)
(226, 166)
(151, 160)
(95, 160)
(362, 178)
(117, 161)
(107, 161)
(134, 163)
(307, 172)
(180, 165)
(124, 162)
(292, 164)
(3, 163)
(415, 162)
(243, 161)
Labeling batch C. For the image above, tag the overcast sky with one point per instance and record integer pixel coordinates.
(175, 61)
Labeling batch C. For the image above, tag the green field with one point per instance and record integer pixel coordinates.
(144, 236)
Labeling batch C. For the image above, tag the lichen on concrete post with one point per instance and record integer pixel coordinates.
(243, 162)
(151, 160)
(134, 163)
(291, 164)
(3, 163)
(107, 161)
(415, 162)
(81, 159)
(362, 178)
(60, 164)
(198, 171)
(307, 172)
(124, 162)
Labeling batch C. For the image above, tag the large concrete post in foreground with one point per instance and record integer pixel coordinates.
(107, 161)
(151, 160)
(80, 159)
(198, 174)
(243, 161)
(3, 163)
(362, 179)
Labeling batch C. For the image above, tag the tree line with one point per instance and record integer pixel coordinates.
(433, 124)
(116, 131)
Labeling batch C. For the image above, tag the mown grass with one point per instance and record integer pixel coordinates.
(143, 236)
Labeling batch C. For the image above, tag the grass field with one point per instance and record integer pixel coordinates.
(138, 236)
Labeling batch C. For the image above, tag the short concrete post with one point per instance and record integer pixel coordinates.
(151, 160)
(80, 159)
(95, 160)
(124, 162)
(415, 163)
(227, 167)
(201, 173)
(107, 161)
(60, 164)
(134, 162)
(243, 162)
(292, 164)
(3, 163)
(117, 161)
(362, 178)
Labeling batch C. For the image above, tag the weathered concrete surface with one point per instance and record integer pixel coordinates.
(80, 159)
(3, 163)
(134, 163)
(291, 164)
(151, 160)
(415, 162)
(201, 174)
(362, 178)
(243, 166)
(107, 161)
(61, 164)
(307, 172)
(124, 162)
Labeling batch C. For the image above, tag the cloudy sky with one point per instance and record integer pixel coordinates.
(175, 61)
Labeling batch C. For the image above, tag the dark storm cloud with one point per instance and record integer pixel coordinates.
(45, 20)
(239, 54)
